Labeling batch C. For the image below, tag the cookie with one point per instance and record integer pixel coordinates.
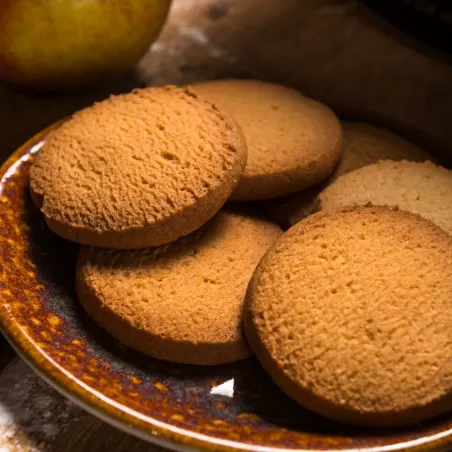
(138, 170)
(182, 301)
(423, 188)
(364, 144)
(350, 313)
(293, 142)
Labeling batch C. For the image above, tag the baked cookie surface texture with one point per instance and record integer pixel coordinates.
(293, 141)
(364, 144)
(350, 312)
(420, 187)
(138, 170)
(183, 301)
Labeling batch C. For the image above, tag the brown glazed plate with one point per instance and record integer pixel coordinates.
(223, 408)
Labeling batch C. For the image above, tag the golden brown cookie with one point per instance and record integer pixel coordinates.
(293, 142)
(350, 313)
(138, 170)
(423, 188)
(364, 144)
(183, 301)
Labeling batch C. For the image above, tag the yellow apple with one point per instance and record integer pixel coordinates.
(66, 43)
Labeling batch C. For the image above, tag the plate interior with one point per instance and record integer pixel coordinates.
(224, 407)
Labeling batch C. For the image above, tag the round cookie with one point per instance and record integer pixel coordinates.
(423, 188)
(138, 170)
(364, 144)
(182, 301)
(350, 313)
(293, 142)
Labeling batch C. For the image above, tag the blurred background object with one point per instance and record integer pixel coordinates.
(338, 51)
(56, 44)
(429, 21)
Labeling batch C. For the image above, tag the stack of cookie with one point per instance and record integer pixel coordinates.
(150, 171)
(349, 311)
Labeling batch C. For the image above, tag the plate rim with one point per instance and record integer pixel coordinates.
(132, 422)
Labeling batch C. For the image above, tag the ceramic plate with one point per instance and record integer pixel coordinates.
(223, 408)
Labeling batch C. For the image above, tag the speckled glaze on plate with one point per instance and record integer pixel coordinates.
(224, 408)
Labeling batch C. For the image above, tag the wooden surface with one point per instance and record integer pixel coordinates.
(325, 48)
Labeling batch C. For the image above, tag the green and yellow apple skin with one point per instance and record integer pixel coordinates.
(68, 43)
